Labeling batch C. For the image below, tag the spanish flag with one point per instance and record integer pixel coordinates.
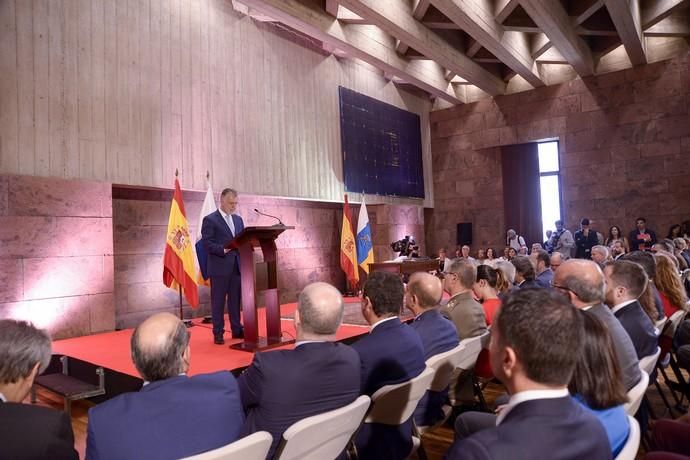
(178, 259)
(348, 247)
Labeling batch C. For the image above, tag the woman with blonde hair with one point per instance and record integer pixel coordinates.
(668, 283)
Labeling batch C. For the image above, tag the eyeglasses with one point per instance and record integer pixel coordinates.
(562, 288)
(443, 275)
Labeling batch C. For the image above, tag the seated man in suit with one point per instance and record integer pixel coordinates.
(583, 282)
(438, 334)
(282, 387)
(625, 282)
(543, 268)
(26, 431)
(173, 415)
(535, 341)
(525, 276)
(391, 353)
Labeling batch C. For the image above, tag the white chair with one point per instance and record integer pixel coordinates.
(473, 347)
(632, 445)
(325, 435)
(253, 447)
(394, 404)
(648, 363)
(443, 365)
(636, 394)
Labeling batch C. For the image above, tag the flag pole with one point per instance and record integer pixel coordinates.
(208, 319)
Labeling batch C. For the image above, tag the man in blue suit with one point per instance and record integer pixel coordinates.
(625, 282)
(173, 415)
(223, 265)
(535, 342)
(282, 387)
(391, 353)
(438, 334)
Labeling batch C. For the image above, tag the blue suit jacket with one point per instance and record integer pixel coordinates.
(215, 234)
(554, 429)
(172, 418)
(438, 335)
(282, 387)
(391, 353)
(545, 278)
(639, 327)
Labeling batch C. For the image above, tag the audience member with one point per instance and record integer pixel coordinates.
(585, 240)
(562, 240)
(522, 251)
(173, 415)
(600, 254)
(543, 268)
(458, 252)
(462, 309)
(391, 353)
(541, 420)
(597, 383)
(491, 258)
(465, 253)
(650, 298)
(524, 273)
(515, 241)
(512, 253)
(27, 431)
(681, 250)
(438, 334)
(671, 290)
(583, 282)
(547, 243)
(625, 282)
(282, 387)
(556, 260)
(617, 249)
(486, 290)
(505, 284)
(642, 238)
(674, 232)
(616, 234)
(536, 247)
(481, 255)
(670, 439)
(441, 259)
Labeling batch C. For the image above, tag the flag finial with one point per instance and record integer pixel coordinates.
(176, 172)
(208, 175)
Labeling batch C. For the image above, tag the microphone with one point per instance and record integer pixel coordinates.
(280, 222)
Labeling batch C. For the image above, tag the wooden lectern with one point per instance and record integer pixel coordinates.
(245, 242)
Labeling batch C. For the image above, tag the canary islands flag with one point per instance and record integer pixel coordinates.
(365, 249)
(208, 207)
(178, 259)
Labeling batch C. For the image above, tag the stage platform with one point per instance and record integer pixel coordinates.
(111, 350)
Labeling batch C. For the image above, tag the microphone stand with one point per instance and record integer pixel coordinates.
(280, 222)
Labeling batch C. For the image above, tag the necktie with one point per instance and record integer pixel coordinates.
(231, 224)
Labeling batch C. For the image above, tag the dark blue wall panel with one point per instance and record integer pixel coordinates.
(382, 147)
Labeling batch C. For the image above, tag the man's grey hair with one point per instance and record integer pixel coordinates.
(603, 249)
(680, 243)
(314, 318)
(507, 269)
(227, 191)
(22, 345)
(586, 290)
(161, 362)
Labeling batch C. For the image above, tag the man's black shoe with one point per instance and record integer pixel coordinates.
(238, 335)
(218, 340)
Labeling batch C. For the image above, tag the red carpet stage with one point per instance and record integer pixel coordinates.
(111, 349)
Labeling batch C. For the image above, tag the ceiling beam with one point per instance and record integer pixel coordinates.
(553, 20)
(332, 7)
(419, 8)
(401, 47)
(586, 14)
(311, 19)
(476, 17)
(434, 19)
(504, 8)
(676, 25)
(552, 56)
(657, 11)
(626, 17)
(539, 45)
(395, 18)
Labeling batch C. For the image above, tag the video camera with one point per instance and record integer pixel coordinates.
(406, 247)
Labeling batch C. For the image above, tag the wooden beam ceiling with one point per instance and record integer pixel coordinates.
(310, 18)
(553, 20)
(626, 17)
(675, 25)
(395, 18)
(657, 11)
(476, 17)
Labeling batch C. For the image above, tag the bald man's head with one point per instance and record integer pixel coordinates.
(159, 347)
(583, 279)
(320, 309)
(423, 291)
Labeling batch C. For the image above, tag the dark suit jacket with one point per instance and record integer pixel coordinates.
(30, 432)
(635, 243)
(639, 327)
(172, 418)
(391, 353)
(554, 429)
(216, 234)
(584, 244)
(622, 345)
(531, 284)
(438, 335)
(284, 386)
(545, 278)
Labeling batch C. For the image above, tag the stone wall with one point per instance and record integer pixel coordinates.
(624, 142)
(56, 254)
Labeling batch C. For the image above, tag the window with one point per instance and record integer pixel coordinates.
(550, 185)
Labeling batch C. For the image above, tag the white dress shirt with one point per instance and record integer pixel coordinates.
(530, 395)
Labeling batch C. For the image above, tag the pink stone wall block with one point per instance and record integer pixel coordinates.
(38, 196)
